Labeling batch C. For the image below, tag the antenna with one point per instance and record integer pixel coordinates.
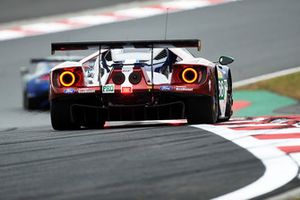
(166, 23)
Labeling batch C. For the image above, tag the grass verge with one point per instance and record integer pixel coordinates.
(288, 85)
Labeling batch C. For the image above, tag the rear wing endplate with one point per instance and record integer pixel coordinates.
(70, 46)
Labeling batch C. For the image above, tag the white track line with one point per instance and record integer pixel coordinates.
(265, 77)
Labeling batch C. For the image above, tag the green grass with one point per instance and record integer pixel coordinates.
(288, 85)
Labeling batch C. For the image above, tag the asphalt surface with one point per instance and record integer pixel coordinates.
(15, 10)
(136, 162)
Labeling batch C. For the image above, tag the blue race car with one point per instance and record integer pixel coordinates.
(35, 84)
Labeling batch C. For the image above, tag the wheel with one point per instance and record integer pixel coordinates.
(25, 101)
(204, 110)
(29, 103)
(61, 116)
(229, 103)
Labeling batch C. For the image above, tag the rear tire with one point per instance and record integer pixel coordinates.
(228, 111)
(204, 110)
(61, 116)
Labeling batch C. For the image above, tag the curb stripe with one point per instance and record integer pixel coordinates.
(275, 140)
(277, 136)
(290, 149)
(79, 21)
(275, 161)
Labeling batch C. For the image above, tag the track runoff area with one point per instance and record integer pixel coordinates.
(273, 140)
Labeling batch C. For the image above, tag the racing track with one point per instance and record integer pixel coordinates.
(135, 161)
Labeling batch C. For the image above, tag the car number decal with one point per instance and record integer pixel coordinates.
(222, 88)
(109, 88)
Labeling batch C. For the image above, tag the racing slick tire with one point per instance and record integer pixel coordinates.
(204, 109)
(61, 116)
(228, 111)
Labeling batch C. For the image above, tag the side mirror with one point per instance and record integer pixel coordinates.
(24, 71)
(225, 60)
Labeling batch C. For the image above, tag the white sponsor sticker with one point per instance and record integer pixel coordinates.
(183, 89)
(109, 88)
(85, 90)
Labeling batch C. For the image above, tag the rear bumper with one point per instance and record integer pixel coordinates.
(89, 107)
(81, 113)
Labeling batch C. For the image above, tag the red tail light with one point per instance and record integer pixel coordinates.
(68, 77)
(126, 90)
(189, 75)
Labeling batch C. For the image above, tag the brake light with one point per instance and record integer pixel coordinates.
(126, 90)
(67, 78)
(189, 75)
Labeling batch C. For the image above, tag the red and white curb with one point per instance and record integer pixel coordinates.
(80, 20)
(273, 140)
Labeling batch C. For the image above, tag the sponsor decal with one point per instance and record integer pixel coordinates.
(166, 88)
(85, 90)
(109, 88)
(220, 75)
(183, 88)
(222, 88)
(126, 69)
(69, 91)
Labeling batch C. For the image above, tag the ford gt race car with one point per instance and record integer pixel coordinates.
(138, 80)
(35, 84)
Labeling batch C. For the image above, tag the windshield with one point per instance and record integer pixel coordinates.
(135, 55)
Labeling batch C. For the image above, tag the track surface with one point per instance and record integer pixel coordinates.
(142, 161)
(156, 162)
(12, 10)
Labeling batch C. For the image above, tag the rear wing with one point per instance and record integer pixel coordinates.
(70, 46)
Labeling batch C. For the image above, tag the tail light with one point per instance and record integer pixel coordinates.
(126, 90)
(68, 77)
(189, 75)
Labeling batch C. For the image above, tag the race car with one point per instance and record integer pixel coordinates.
(35, 85)
(138, 80)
